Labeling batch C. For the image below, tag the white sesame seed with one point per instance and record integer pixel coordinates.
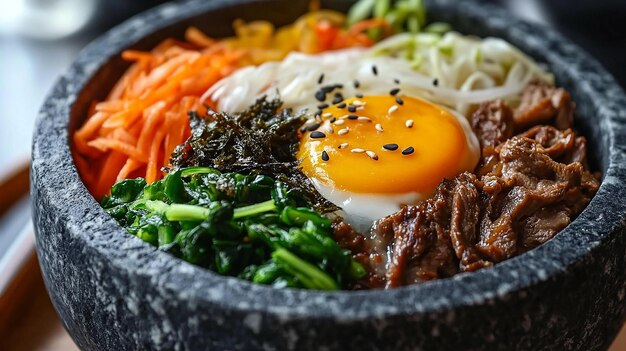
(358, 103)
(327, 115)
(378, 127)
(409, 123)
(357, 151)
(328, 129)
(310, 121)
(340, 122)
(344, 117)
(372, 155)
(360, 108)
(392, 109)
(342, 146)
(343, 131)
(364, 119)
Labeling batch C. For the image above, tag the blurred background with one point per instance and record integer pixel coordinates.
(40, 38)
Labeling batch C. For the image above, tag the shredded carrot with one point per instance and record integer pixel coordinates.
(135, 55)
(195, 36)
(145, 116)
(113, 160)
(130, 166)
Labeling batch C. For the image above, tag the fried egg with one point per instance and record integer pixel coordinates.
(374, 154)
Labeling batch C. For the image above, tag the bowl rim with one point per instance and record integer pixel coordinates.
(572, 245)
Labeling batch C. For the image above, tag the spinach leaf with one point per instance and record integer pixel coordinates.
(250, 226)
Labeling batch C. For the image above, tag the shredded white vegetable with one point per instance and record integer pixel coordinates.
(453, 70)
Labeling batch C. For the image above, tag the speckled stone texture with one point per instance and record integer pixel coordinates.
(115, 292)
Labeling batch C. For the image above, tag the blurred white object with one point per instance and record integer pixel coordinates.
(46, 19)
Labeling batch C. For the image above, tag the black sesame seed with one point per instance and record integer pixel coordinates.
(338, 86)
(396, 80)
(317, 135)
(356, 84)
(325, 156)
(360, 96)
(390, 147)
(322, 106)
(327, 89)
(313, 127)
(320, 95)
(320, 79)
(342, 105)
(399, 100)
(394, 91)
(352, 108)
(409, 150)
(337, 99)
(318, 113)
(303, 129)
(375, 70)
(332, 120)
(435, 82)
(353, 117)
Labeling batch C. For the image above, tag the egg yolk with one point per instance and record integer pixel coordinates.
(385, 144)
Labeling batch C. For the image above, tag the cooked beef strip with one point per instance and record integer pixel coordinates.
(528, 183)
(544, 104)
(436, 238)
(563, 146)
(361, 251)
(422, 248)
(466, 209)
(492, 123)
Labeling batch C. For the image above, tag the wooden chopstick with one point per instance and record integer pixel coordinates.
(14, 184)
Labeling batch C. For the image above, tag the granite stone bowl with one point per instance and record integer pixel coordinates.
(114, 292)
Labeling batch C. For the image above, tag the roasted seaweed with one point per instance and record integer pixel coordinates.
(261, 140)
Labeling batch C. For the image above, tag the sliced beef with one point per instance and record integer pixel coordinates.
(531, 185)
(436, 238)
(492, 123)
(562, 146)
(542, 225)
(466, 208)
(535, 189)
(348, 238)
(362, 252)
(544, 104)
(422, 248)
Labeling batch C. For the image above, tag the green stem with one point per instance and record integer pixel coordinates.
(252, 210)
(197, 170)
(180, 212)
(310, 276)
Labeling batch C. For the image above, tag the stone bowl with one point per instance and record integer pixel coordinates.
(115, 292)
